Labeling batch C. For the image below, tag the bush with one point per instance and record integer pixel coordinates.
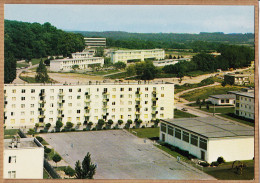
(41, 131)
(93, 129)
(214, 163)
(63, 130)
(204, 164)
(40, 139)
(104, 128)
(133, 127)
(84, 129)
(152, 126)
(143, 126)
(73, 129)
(220, 160)
(47, 150)
(48, 125)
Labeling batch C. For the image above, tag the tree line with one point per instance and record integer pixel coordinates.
(24, 40)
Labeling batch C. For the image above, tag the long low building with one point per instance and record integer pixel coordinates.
(23, 158)
(208, 138)
(127, 56)
(224, 99)
(28, 104)
(91, 42)
(68, 63)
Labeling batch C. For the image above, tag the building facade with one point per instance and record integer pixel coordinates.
(238, 79)
(245, 103)
(84, 63)
(23, 159)
(94, 42)
(225, 99)
(208, 138)
(127, 56)
(87, 53)
(28, 104)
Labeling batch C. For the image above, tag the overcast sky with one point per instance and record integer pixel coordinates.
(136, 18)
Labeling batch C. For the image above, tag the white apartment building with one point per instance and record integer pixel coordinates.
(94, 42)
(28, 104)
(245, 103)
(208, 138)
(224, 99)
(130, 55)
(67, 63)
(23, 159)
(87, 53)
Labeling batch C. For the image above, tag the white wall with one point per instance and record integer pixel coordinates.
(231, 149)
(218, 101)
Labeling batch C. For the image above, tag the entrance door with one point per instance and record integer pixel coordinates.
(202, 155)
(163, 137)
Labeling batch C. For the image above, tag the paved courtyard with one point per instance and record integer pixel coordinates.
(120, 155)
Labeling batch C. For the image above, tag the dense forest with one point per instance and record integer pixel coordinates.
(197, 42)
(32, 40)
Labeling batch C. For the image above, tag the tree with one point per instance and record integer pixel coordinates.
(69, 125)
(129, 121)
(208, 107)
(223, 83)
(47, 150)
(48, 125)
(87, 170)
(75, 67)
(198, 101)
(119, 65)
(130, 70)
(99, 52)
(101, 122)
(120, 122)
(41, 73)
(31, 132)
(69, 171)
(47, 62)
(156, 122)
(56, 158)
(40, 139)
(59, 124)
(110, 122)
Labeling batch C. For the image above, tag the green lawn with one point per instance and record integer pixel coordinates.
(146, 132)
(182, 114)
(28, 79)
(37, 60)
(45, 174)
(8, 134)
(232, 116)
(230, 174)
(117, 76)
(204, 93)
(172, 153)
(100, 73)
(221, 110)
(22, 65)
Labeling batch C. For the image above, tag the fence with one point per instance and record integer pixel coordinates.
(51, 170)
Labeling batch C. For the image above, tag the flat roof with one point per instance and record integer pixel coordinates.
(224, 96)
(72, 59)
(212, 127)
(24, 143)
(246, 94)
(117, 51)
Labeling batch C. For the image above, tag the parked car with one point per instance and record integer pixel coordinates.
(184, 109)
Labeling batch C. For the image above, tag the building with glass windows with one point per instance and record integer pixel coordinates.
(28, 104)
(208, 138)
(23, 158)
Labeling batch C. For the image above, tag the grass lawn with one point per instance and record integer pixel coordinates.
(105, 72)
(22, 65)
(232, 116)
(117, 76)
(37, 60)
(230, 174)
(221, 110)
(204, 93)
(8, 134)
(146, 132)
(60, 168)
(46, 175)
(181, 114)
(172, 153)
(28, 79)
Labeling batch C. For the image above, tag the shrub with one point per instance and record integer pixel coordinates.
(90, 123)
(143, 126)
(84, 129)
(47, 150)
(69, 125)
(214, 163)
(73, 129)
(110, 122)
(41, 131)
(220, 160)
(59, 124)
(204, 164)
(52, 131)
(40, 139)
(133, 127)
(63, 130)
(93, 129)
(104, 128)
(152, 126)
(48, 125)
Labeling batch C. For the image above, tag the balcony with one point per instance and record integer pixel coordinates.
(105, 107)
(42, 101)
(87, 100)
(137, 113)
(41, 116)
(138, 99)
(154, 112)
(105, 93)
(154, 99)
(87, 108)
(86, 114)
(105, 100)
(154, 106)
(60, 109)
(138, 93)
(138, 106)
(61, 94)
(41, 109)
(42, 94)
(154, 92)
(87, 94)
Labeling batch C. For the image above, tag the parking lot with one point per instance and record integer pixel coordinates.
(121, 155)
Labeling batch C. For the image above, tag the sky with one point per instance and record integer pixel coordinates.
(138, 18)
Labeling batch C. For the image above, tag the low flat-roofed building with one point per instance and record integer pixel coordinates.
(66, 64)
(87, 53)
(208, 138)
(23, 158)
(91, 42)
(127, 56)
(224, 99)
(245, 103)
(238, 79)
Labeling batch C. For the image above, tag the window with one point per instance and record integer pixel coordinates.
(121, 96)
(146, 109)
(129, 89)
(12, 174)
(13, 91)
(113, 96)
(32, 112)
(113, 103)
(162, 95)
(129, 109)
(145, 102)
(22, 105)
(161, 115)
(185, 136)
(96, 96)
(222, 100)
(70, 104)
(32, 105)
(70, 90)
(12, 121)
(163, 127)
(129, 102)
(23, 90)
(78, 97)
(170, 130)
(194, 140)
(32, 98)
(51, 105)
(146, 88)
(79, 90)
(146, 95)
(129, 116)
(177, 133)
(130, 95)
(121, 117)
(70, 97)
(12, 113)
(12, 159)
(121, 89)
(96, 110)
(227, 100)
(69, 111)
(78, 119)
(121, 109)
(121, 102)
(52, 97)
(162, 108)
(162, 88)
(13, 98)
(22, 120)
(146, 116)
(113, 117)
(78, 111)
(13, 106)
(114, 89)
(50, 120)
(32, 120)
(203, 143)
(22, 113)
(32, 90)
(113, 110)
(22, 98)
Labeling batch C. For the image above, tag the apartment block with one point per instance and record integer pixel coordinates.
(28, 104)
(23, 158)
(245, 103)
(94, 42)
(128, 56)
(84, 63)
